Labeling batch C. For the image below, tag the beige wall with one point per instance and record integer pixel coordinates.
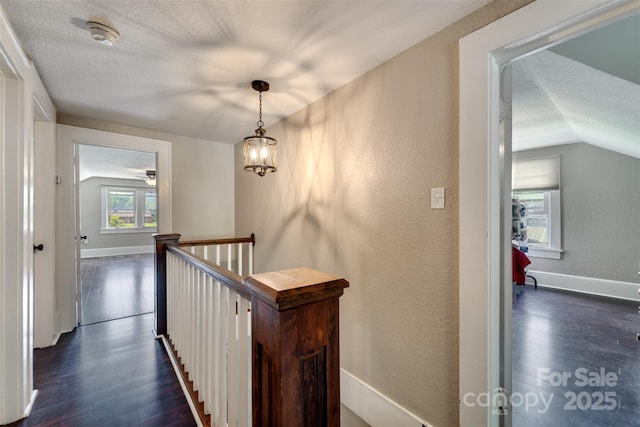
(352, 197)
(201, 179)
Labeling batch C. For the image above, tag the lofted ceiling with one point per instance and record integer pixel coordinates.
(583, 90)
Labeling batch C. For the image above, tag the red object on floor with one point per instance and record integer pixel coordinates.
(519, 262)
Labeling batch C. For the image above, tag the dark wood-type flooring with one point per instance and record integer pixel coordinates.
(116, 286)
(114, 373)
(558, 332)
(107, 374)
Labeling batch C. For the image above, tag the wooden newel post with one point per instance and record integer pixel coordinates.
(296, 357)
(160, 290)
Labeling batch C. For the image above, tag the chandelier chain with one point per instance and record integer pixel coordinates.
(260, 123)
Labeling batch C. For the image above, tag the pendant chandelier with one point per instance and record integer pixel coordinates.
(259, 150)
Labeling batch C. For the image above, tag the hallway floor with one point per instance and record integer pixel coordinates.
(107, 374)
(116, 287)
(576, 360)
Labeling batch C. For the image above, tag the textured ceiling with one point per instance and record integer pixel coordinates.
(584, 90)
(557, 101)
(185, 67)
(95, 161)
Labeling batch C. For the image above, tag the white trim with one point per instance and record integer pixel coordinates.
(68, 138)
(587, 285)
(11, 50)
(16, 226)
(76, 135)
(34, 395)
(373, 407)
(544, 253)
(124, 250)
(127, 230)
(183, 386)
(536, 26)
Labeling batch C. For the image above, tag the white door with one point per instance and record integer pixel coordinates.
(45, 324)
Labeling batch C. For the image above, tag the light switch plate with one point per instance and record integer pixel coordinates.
(437, 198)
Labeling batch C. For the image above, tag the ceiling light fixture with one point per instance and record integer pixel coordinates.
(102, 33)
(260, 150)
(151, 178)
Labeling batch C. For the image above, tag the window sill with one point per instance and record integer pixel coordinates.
(126, 230)
(544, 253)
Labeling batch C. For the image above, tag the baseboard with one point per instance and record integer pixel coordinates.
(373, 407)
(34, 395)
(587, 285)
(183, 386)
(124, 250)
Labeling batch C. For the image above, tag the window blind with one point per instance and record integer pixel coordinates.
(536, 174)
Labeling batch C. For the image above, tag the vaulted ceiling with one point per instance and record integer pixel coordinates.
(584, 90)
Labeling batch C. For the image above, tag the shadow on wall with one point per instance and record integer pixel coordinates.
(324, 160)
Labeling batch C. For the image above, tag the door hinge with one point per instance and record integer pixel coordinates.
(505, 111)
(500, 402)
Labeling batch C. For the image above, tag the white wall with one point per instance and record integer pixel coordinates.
(600, 198)
(201, 173)
(203, 203)
(98, 244)
(194, 187)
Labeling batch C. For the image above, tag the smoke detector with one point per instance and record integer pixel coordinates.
(102, 33)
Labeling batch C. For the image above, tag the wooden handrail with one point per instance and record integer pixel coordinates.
(226, 277)
(295, 348)
(295, 353)
(251, 239)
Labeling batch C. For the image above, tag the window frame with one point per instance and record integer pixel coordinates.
(553, 249)
(139, 209)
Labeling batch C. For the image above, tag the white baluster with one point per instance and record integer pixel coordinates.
(244, 368)
(208, 346)
(210, 328)
(217, 351)
(224, 339)
(233, 359)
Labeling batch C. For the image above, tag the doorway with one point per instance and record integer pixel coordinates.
(68, 234)
(571, 162)
(484, 270)
(117, 217)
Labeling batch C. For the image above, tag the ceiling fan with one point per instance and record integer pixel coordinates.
(149, 177)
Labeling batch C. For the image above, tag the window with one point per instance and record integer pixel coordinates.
(150, 209)
(128, 210)
(538, 216)
(536, 184)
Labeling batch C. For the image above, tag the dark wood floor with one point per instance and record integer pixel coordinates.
(557, 332)
(117, 286)
(107, 374)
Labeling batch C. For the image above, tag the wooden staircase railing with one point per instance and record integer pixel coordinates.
(293, 328)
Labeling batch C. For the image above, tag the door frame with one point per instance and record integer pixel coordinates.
(45, 322)
(68, 246)
(534, 27)
(17, 77)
